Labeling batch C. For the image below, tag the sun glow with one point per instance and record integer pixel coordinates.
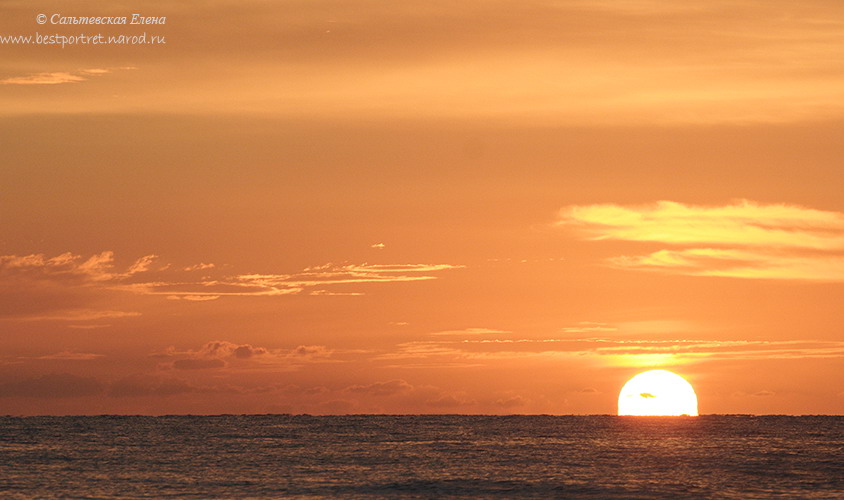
(657, 393)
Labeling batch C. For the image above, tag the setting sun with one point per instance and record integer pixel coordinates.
(657, 393)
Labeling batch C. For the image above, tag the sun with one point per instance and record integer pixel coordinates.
(657, 393)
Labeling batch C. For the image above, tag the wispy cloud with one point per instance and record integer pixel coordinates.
(467, 331)
(70, 287)
(194, 298)
(743, 223)
(66, 287)
(69, 356)
(737, 264)
(202, 266)
(80, 315)
(589, 326)
(67, 266)
(326, 293)
(245, 285)
(44, 79)
(473, 352)
(58, 77)
(743, 239)
(96, 71)
(698, 349)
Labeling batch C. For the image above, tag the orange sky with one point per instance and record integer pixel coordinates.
(423, 207)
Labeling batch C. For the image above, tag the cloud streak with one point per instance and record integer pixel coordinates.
(268, 285)
(734, 263)
(474, 352)
(467, 331)
(57, 77)
(70, 287)
(66, 287)
(742, 223)
(743, 239)
(67, 266)
(68, 356)
(388, 388)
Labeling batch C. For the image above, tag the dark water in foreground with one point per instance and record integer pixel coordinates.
(422, 456)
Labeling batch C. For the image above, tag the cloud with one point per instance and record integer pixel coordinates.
(764, 394)
(68, 269)
(81, 315)
(70, 356)
(96, 71)
(378, 246)
(98, 267)
(743, 239)
(200, 267)
(214, 355)
(44, 79)
(54, 385)
(66, 287)
(267, 285)
(198, 364)
(247, 351)
(306, 391)
(218, 354)
(743, 223)
(511, 402)
(311, 351)
(703, 349)
(589, 326)
(733, 263)
(142, 265)
(326, 293)
(447, 352)
(422, 350)
(467, 331)
(388, 388)
(223, 349)
(58, 77)
(194, 298)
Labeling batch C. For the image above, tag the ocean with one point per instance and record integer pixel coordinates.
(422, 456)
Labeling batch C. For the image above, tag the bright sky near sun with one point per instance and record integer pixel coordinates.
(422, 207)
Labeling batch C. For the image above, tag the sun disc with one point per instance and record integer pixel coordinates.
(657, 393)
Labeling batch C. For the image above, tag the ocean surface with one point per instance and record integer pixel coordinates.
(429, 456)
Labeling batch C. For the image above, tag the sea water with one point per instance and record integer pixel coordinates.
(422, 456)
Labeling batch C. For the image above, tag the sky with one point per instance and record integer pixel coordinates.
(353, 206)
